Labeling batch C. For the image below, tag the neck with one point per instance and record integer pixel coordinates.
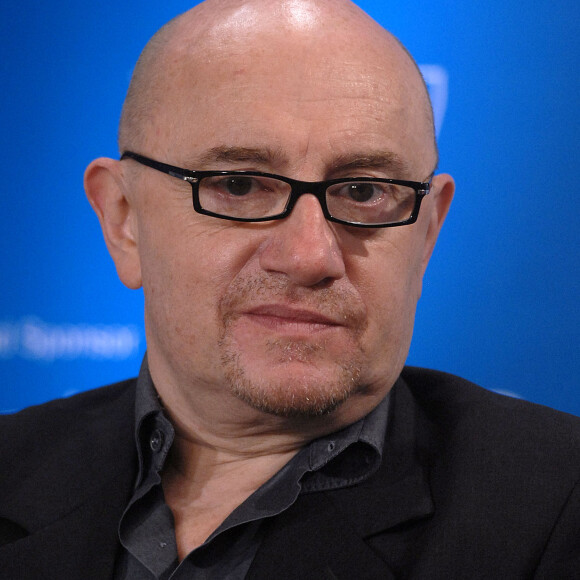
(214, 427)
(207, 477)
(200, 456)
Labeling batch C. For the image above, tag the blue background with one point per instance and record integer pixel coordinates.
(500, 303)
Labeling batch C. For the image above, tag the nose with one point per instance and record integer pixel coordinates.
(304, 246)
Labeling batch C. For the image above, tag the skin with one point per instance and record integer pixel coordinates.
(264, 336)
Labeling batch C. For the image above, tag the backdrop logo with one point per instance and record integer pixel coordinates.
(437, 81)
(34, 339)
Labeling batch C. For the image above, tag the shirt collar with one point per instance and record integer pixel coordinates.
(340, 459)
(350, 455)
(154, 433)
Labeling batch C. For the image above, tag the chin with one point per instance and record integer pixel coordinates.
(296, 390)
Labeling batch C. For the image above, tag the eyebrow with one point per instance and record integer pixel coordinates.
(260, 156)
(386, 161)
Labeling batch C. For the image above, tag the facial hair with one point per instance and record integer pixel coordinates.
(295, 394)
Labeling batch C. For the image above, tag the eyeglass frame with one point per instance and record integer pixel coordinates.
(297, 188)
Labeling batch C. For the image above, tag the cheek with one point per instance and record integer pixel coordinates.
(390, 285)
(187, 266)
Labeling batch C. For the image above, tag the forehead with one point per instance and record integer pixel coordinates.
(300, 93)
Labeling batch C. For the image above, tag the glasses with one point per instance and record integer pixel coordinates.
(253, 196)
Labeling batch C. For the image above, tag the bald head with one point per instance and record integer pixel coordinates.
(218, 30)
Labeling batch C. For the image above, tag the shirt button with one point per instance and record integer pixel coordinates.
(156, 440)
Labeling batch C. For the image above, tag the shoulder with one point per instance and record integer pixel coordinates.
(66, 458)
(65, 427)
(504, 476)
(88, 405)
(463, 404)
(491, 434)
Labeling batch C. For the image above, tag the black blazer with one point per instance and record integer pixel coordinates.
(473, 486)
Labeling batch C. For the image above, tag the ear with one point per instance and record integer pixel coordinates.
(438, 202)
(106, 190)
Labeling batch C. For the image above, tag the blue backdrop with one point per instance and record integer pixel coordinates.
(500, 303)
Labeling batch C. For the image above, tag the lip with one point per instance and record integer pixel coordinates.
(283, 316)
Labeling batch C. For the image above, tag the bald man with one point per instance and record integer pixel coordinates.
(272, 431)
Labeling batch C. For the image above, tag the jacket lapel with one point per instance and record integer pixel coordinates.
(313, 541)
(330, 535)
(81, 544)
(69, 530)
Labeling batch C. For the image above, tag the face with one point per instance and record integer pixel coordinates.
(298, 317)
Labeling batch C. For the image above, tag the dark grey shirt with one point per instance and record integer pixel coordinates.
(146, 530)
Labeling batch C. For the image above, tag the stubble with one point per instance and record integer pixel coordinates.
(298, 393)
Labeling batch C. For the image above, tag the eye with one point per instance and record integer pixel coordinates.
(244, 196)
(238, 185)
(361, 192)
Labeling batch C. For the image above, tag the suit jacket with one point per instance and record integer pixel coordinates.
(472, 485)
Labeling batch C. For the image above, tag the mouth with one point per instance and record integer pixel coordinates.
(290, 320)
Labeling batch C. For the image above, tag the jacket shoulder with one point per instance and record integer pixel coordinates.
(86, 406)
(59, 432)
(69, 466)
(496, 431)
(451, 394)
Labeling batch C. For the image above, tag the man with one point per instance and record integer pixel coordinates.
(271, 433)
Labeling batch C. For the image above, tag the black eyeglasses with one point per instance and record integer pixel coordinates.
(253, 196)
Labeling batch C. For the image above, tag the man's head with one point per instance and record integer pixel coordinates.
(296, 317)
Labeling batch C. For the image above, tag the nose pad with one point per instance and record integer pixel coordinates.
(304, 246)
